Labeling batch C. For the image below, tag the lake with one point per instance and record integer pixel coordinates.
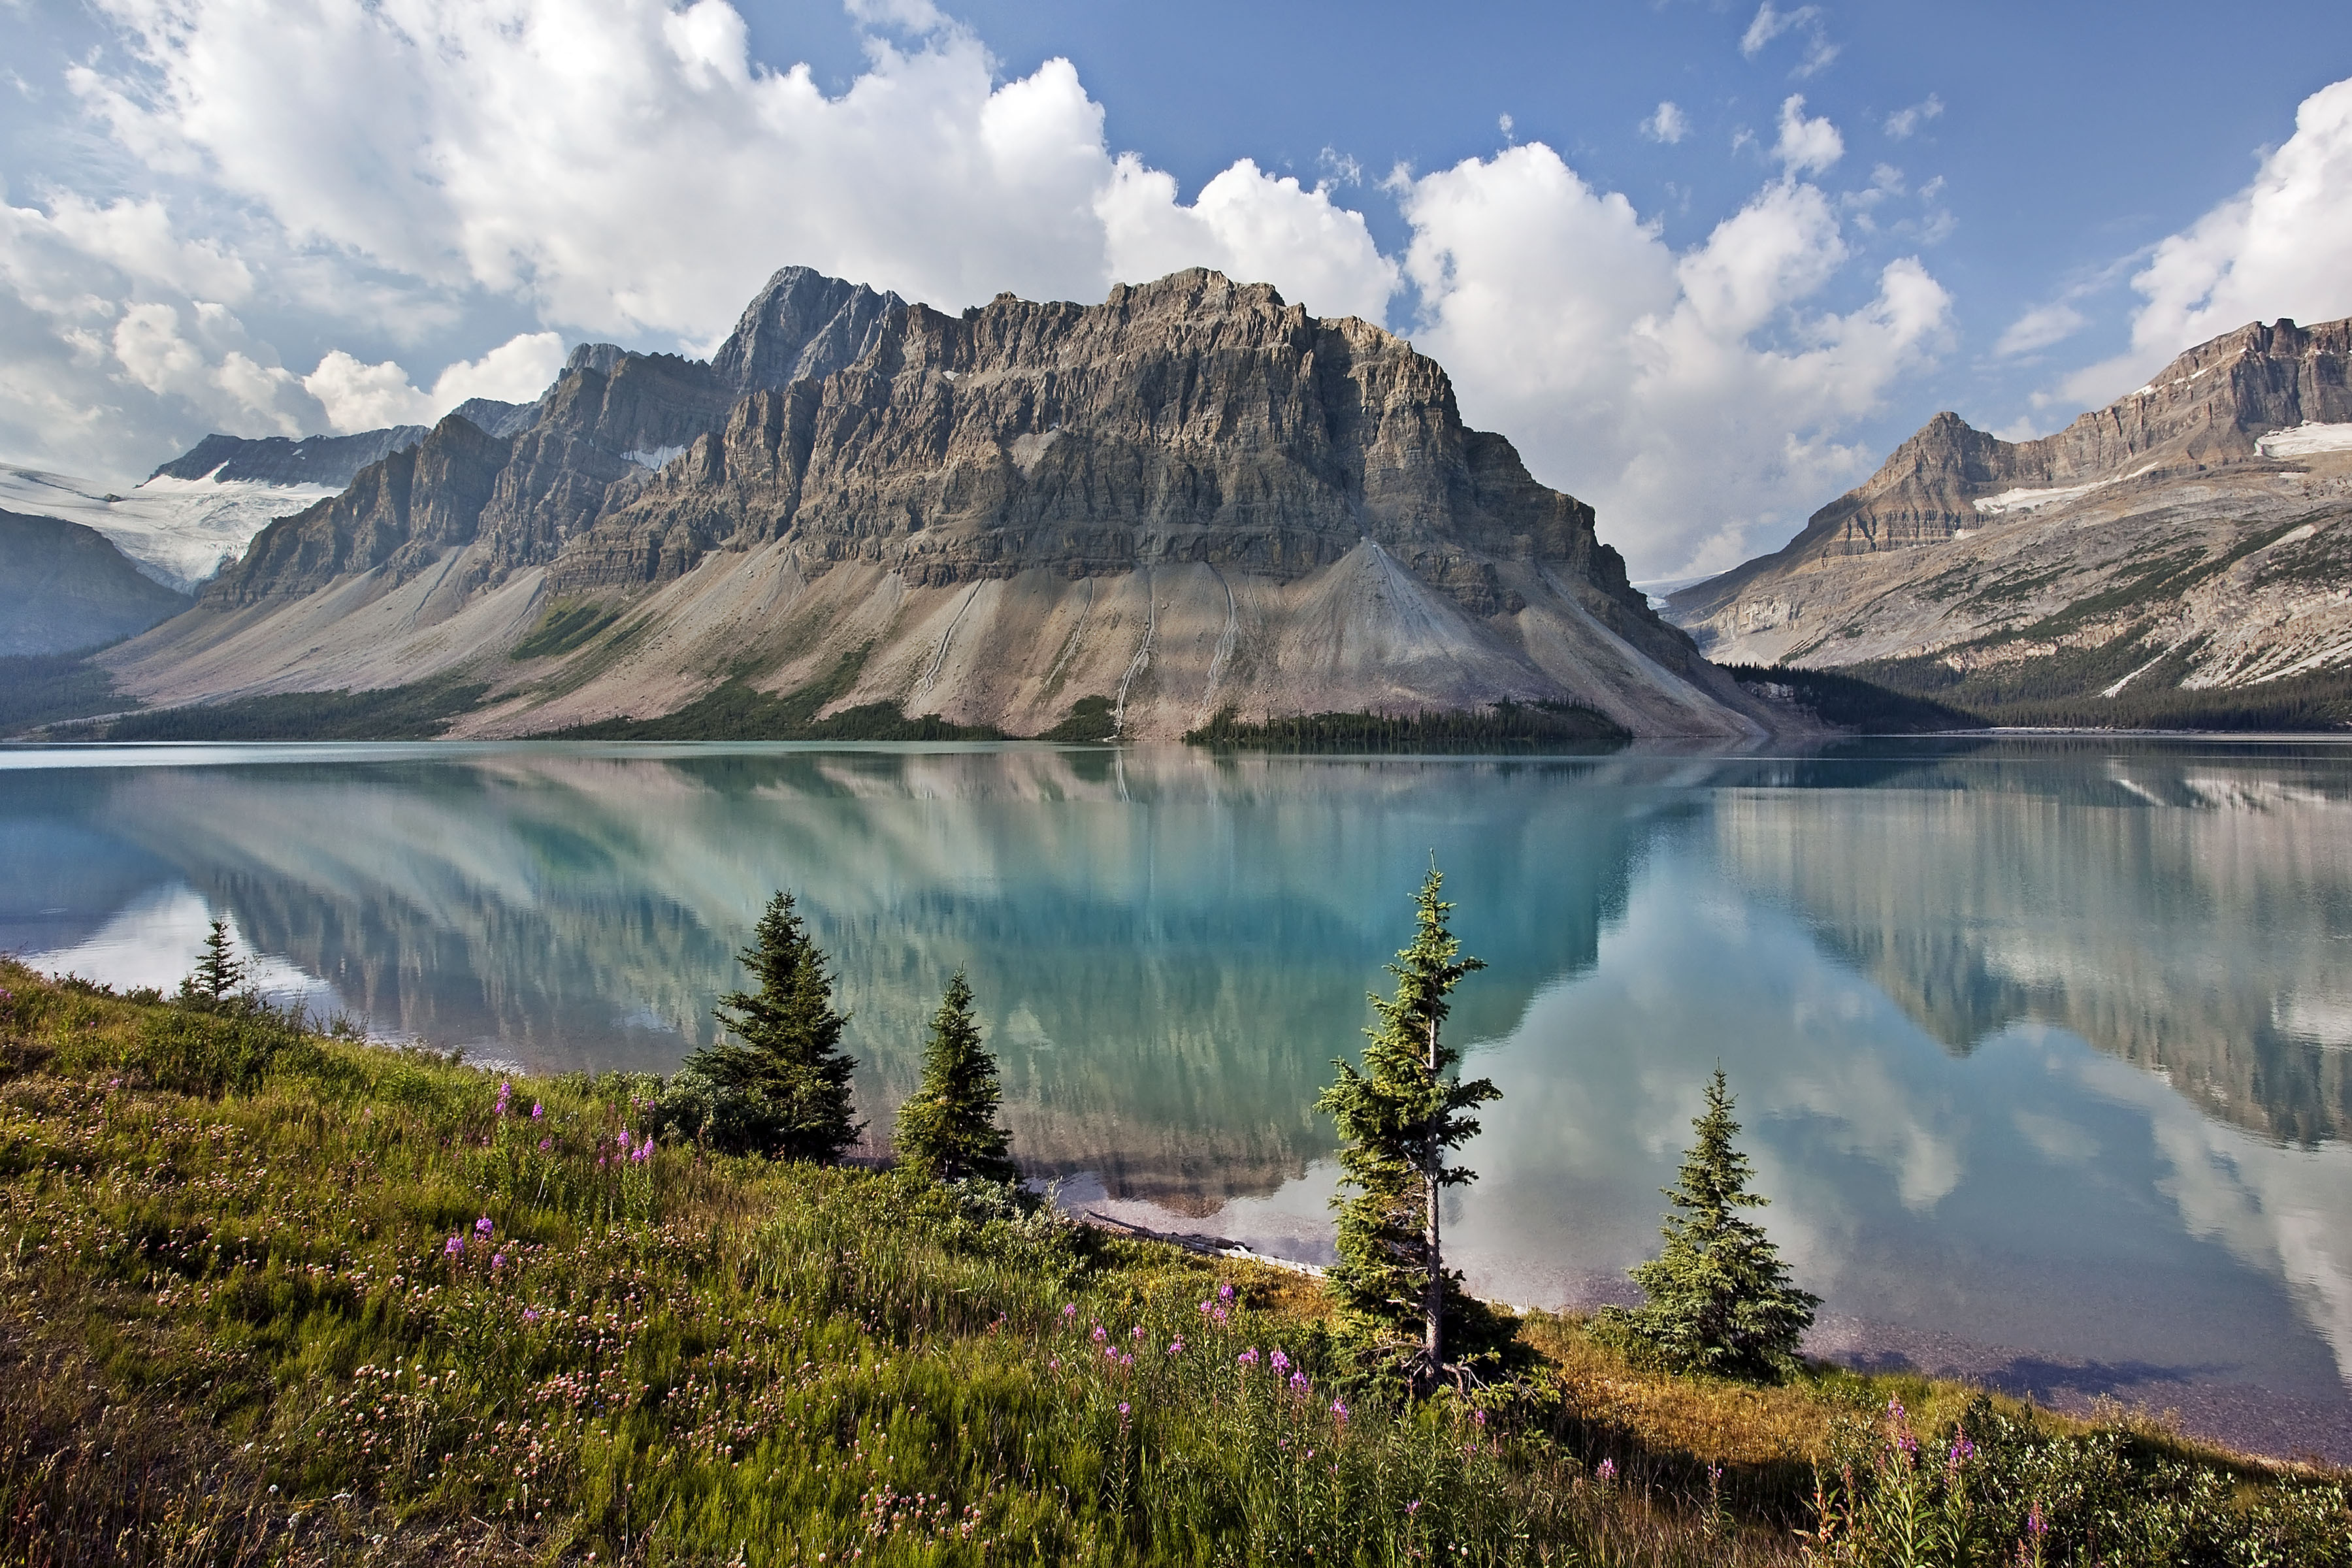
(2043, 1047)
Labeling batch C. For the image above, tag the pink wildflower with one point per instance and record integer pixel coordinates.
(1247, 1357)
(1099, 1335)
(1607, 1472)
(1339, 1412)
(1224, 1292)
(1176, 1345)
(1298, 1381)
(1280, 1361)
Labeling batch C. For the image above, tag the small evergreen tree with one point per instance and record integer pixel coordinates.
(947, 1128)
(1720, 1297)
(1398, 1120)
(219, 971)
(782, 1083)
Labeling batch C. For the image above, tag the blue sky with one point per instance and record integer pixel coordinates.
(290, 216)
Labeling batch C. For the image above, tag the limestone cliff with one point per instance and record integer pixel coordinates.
(1191, 494)
(2196, 520)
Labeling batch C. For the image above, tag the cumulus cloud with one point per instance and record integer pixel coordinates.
(1669, 124)
(1805, 21)
(2282, 247)
(1904, 121)
(1248, 225)
(1806, 146)
(359, 396)
(1693, 398)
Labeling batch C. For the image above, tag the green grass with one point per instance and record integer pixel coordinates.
(43, 688)
(568, 623)
(1503, 726)
(234, 1329)
(1089, 721)
(416, 712)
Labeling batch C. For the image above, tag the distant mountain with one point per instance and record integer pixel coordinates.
(328, 461)
(64, 587)
(2181, 554)
(1189, 497)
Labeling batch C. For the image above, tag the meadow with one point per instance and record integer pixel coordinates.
(274, 1294)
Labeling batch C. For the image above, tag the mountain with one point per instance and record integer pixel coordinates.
(65, 587)
(175, 532)
(1189, 497)
(2178, 553)
(280, 460)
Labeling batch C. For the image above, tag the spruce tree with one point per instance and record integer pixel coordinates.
(947, 1128)
(1398, 1120)
(219, 971)
(786, 1055)
(1720, 1297)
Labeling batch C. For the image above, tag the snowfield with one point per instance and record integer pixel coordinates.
(2306, 439)
(177, 532)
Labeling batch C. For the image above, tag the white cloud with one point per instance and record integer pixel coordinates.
(359, 396)
(2039, 327)
(1806, 20)
(1669, 124)
(2282, 247)
(1904, 121)
(1806, 146)
(1693, 398)
(1248, 225)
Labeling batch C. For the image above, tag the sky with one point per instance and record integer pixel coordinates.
(1705, 263)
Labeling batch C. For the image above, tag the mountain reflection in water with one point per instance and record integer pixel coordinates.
(2042, 1045)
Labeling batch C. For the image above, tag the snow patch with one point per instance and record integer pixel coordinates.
(177, 532)
(2030, 501)
(659, 457)
(2305, 440)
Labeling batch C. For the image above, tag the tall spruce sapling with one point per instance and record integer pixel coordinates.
(947, 1128)
(219, 971)
(1720, 1297)
(782, 1083)
(1398, 1120)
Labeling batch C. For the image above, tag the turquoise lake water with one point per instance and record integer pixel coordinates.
(2043, 1047)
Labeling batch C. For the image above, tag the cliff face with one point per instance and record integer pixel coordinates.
(64, 587)
(2196, 515)
(1191, 493)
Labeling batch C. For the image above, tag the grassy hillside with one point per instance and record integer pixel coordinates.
(278, 1296)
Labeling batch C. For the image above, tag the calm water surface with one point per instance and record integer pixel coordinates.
(2044, 1048)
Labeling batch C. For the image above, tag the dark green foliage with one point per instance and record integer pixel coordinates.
(1720, 1297)
(735, 710)
(42, 689)
(2061, 690)
(1504, 726)
(1090, 721)
(1398, 1120)
(566, 626)
(947, 1128)
(417, 712)
(219, 971)
(1840, 697)
(782, 1083)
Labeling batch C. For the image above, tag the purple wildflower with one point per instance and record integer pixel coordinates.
(1607, 1473)
(1204, 1307)
(1137, 1333)
(1412, 1508)
(1070, 1310)
(537, 1110)
(1339, 1412)
(1176, 1345)
(1218, 1314)
(1479, 1416)
(1247, 1357)
(2035, 1525)
(505, 1091)
(483, 1226)
(1963, 1450)
(1122, 1409)
(545, 1144)
(1224, 1292)
(456, 1245)
(1299, 1379)
(1099, 1335)
(1280, 1361)
(498, 1260)
(530, 1314)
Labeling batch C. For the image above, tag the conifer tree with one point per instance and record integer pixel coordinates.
(1720, 1297)
(786, 1055)
(1398, 1120)
(947, 1128)
(219, 971)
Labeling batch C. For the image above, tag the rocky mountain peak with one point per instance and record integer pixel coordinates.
(802, 325)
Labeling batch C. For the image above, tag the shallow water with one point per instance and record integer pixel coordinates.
(2044, 1047)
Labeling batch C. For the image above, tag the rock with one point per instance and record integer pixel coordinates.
(64, 587)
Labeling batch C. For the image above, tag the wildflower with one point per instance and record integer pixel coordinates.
(1224, 1292)
(456, 1245)
(505, 1090)
(1247, 1357)
(1218, 1314)
(1176, 1345)
(545, 1144)
(1280, 1361)
(1122, 1409)
(482, 1227)
(1204, 1306)
(2035, 1525)
(1099, 1335)
(536, 1110)
(1963, 1450)
(498, 1260)
(1138, 1332)
(1339, 1412)
(1412, 1508)
(1069, 1310)
(530, 1314)
(1299, 1379)
(1479, 1416)
(1607, 1473)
